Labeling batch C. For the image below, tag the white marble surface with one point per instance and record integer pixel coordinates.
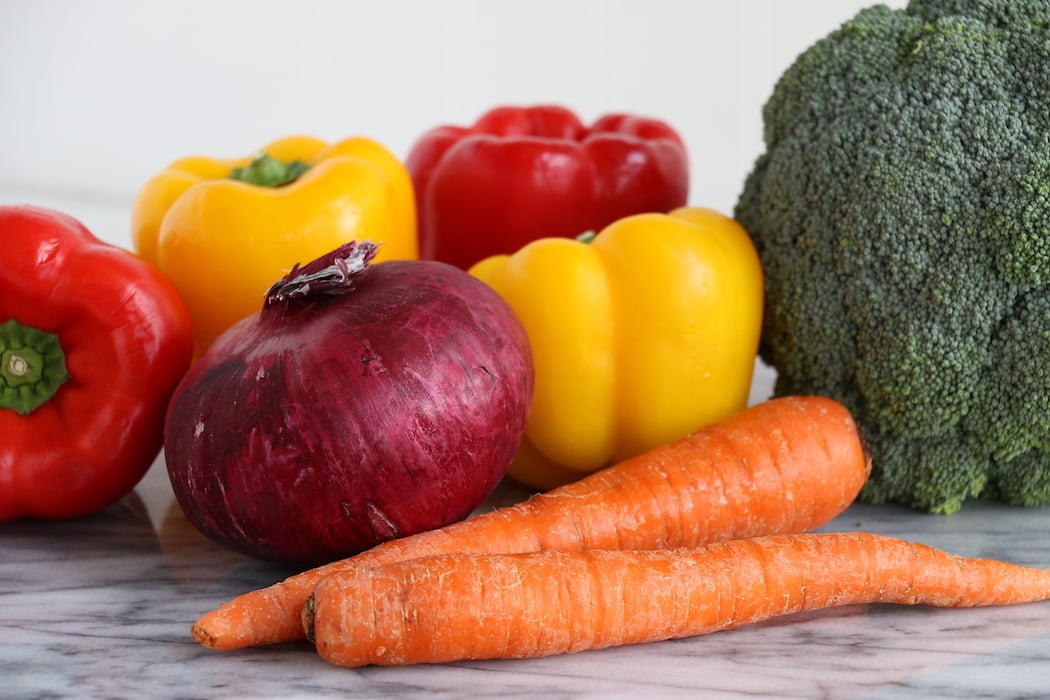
(101, 608)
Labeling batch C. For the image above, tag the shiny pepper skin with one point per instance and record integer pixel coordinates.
(522, 173)
(93, 341)
(225, 230)
(640, 336)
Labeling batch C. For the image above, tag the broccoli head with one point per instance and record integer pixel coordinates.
(901, 210)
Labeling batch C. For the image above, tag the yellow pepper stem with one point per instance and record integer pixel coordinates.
(267, 171)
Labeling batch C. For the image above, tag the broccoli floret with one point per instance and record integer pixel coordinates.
(901, 210)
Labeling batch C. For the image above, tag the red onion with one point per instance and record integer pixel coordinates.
(363, 403)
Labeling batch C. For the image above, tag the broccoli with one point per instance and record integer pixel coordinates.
(901, 210)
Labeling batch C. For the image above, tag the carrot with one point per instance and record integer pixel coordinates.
(482, 606)
(786, 465)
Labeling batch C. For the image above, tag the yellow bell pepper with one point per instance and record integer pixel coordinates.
(225, 230)
(639, 337)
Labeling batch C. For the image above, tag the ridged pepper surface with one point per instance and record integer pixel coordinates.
(639, 336)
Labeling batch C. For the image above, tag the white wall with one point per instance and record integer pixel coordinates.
(97, 95)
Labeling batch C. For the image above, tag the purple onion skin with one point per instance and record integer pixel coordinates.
(313, 431)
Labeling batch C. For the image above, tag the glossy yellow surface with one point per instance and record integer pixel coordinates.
(224, 242)
(639, 337)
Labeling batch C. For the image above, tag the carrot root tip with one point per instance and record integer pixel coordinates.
(202, 636)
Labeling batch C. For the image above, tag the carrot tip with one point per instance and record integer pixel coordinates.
(203, 636)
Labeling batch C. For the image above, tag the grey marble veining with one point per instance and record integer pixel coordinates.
(101, 608)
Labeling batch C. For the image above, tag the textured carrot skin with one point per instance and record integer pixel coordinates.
(469, 606)
(783, 466)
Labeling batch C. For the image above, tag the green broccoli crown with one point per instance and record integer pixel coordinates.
(901, 210)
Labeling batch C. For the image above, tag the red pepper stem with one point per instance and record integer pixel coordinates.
(32, 367)
(333, 273)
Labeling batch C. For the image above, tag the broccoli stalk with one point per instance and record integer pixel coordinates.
(901, 210)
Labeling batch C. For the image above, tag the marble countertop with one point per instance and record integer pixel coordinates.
(101, 607)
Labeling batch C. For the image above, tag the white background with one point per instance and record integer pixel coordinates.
(98, 95)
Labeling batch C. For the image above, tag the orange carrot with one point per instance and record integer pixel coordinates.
(786, 465)
(482, 606)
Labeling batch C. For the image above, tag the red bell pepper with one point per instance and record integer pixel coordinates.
(93, 341)
(519, 174)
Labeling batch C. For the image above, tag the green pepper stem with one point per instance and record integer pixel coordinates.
(587, 236)
(32, 367)
(267, 171)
